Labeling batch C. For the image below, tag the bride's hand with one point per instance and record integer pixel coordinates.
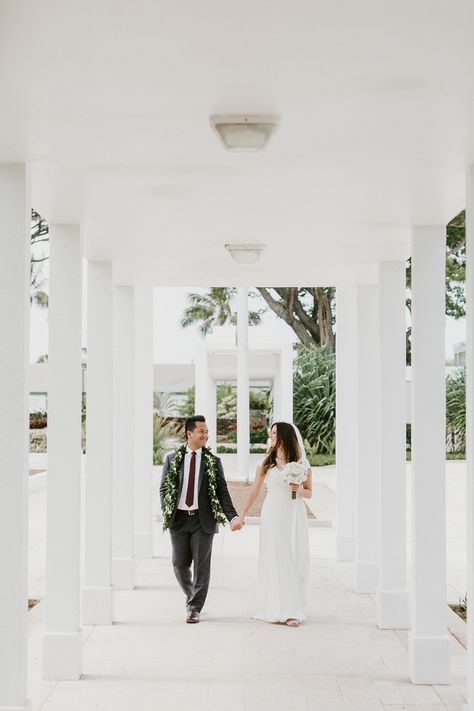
(294, 487)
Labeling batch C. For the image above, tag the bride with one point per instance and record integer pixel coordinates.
(283, 564)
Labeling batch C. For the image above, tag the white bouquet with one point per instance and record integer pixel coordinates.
(294, 473)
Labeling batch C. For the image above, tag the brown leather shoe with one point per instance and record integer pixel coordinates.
(192, 617)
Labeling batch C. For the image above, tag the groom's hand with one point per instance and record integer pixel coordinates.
(236, 524)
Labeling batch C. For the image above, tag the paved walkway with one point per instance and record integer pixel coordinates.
(149, 659)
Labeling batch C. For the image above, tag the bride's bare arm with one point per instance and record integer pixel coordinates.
(253, 493)
(306, 489)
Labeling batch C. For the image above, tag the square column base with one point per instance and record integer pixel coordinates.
(393, 609)
(144, 544)
(62, 656)
(345, 548)
(428, 659)
(365, 577)
(97, 606)
(123, 573)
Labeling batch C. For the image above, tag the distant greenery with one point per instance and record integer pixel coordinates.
(258, 435)
(316, 460)
(321, 460)
(226, 399)
(216, 308)
(187, 408)
(451, 456)
(164, 427)
(456, 411)
(222, 449)
(314, 398)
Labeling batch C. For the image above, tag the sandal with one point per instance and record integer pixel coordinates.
(292, 622)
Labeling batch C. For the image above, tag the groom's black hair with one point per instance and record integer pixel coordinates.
(191, 423)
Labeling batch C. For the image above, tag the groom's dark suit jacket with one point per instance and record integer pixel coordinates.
(207, 520)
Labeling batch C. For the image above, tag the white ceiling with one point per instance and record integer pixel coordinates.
(109, 104)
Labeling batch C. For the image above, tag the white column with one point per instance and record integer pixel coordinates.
(428, 641)
(143, 451)
(366, 560)
(62, 646)
(123, 529)
(346, 417)
(470, 429)
(97, 590)
(211, 413)
(205, 394)
(14, 357)
(392, 599)
(283, 387)
(243, 417)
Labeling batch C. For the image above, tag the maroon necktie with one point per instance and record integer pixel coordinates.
(192, 475)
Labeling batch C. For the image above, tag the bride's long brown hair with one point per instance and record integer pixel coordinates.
(287, 442)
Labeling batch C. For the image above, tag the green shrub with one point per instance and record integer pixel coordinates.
(456, 411)
(222, 449)
(314, 398)
(258, 435)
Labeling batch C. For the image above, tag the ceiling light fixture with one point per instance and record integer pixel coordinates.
(245, 253)
(248, 133)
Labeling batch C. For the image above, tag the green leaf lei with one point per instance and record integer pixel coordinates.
(171, 485)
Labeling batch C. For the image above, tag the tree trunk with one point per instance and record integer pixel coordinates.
(312, 328)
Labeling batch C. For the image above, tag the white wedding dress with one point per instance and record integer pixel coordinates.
(283, 564)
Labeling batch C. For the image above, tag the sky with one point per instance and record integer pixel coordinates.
(173, 344)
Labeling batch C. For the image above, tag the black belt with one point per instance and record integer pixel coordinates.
(188, 512)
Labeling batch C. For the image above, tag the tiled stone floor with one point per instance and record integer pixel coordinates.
(149, 659)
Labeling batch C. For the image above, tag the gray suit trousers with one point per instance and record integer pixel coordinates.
(191, 545)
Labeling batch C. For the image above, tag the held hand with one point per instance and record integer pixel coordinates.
(236, 524)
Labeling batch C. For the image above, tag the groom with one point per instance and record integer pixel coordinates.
(194, 500)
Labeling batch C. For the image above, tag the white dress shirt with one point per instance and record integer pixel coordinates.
(187, 462)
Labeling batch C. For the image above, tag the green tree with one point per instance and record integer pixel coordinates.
(226, 397)
(188, 407)
(39, 234)
(308, 311)
(259, 400)
(164, 427)
(226, 401)
(314, 397)
(214, 309)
